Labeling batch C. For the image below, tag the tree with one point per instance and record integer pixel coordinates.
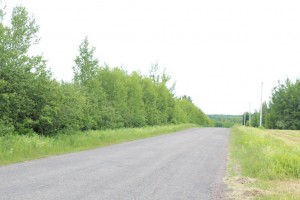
(187, 112)
(136, 106)
(22, 77)
(285, 106)
(180, 114)
(72, 104)
(98, 98)
(150, 100)
(114, 84)
(188, 98)
(153, 73)
(165, 103)
(86, 64)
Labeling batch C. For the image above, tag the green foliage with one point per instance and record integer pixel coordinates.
(113, 82)
(136, 113)
(186, 111)
(99, 97)
(85, 64)
(255, 117)
(283, 110)
(180, 114)
(285, 106)
(24, 82)
(150, 100)
(6, 129)
(71, 108)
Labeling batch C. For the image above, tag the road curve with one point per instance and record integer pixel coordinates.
(185, 165)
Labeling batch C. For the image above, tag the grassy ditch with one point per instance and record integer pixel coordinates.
(16, 148)
(264, 164)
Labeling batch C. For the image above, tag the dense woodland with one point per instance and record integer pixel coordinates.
(99, 97)
(283, 109)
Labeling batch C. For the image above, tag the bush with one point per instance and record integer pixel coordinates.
(6, 129)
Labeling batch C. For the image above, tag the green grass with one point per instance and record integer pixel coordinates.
(16, 148)
(264, 156)
(267, 157)
(280, 197)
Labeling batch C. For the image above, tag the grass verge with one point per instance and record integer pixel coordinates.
(16, 148)
(263, 164)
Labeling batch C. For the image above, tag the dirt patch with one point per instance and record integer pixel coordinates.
(240, 188)
(292, 186)
(244, 188)
(254, 192)
(243, 180)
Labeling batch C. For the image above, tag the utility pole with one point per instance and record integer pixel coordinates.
(250, 114)
(261, 102)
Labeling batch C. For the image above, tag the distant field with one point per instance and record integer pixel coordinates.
(264, 164)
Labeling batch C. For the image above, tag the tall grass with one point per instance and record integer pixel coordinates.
(15, 148)
(264, 156)
(263, 164)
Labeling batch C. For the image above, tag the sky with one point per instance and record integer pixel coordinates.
(218, 51)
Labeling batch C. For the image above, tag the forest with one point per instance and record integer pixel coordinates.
(99, 97)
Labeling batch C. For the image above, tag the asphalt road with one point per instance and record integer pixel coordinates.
(185, 165)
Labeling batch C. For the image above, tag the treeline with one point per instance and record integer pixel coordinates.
(225, 120)
(99, 97)
(283, 109)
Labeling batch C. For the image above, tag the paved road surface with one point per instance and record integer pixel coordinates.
(185, 165)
